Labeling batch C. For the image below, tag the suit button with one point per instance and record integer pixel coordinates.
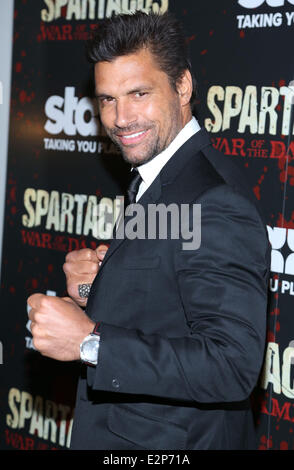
(115, 383)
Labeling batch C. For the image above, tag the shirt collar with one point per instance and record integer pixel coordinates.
(151, 169)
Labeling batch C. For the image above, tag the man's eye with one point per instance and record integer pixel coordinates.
(140, 94)
(106, 99)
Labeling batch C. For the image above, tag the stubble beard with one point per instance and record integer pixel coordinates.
(151, 152)
(154, 148)
(144, 156)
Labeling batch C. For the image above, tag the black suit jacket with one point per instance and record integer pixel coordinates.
(182, 332)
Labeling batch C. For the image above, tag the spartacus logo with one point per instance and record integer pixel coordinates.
(258, 3)
(97, 9)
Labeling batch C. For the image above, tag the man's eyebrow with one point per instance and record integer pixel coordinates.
(101, 95)
(136, 89)
(139, 88)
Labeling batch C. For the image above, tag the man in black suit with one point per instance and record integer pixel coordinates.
(177, 331)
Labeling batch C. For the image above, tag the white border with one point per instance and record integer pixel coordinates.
(6, 42)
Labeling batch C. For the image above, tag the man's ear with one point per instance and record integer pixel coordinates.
(185, 87)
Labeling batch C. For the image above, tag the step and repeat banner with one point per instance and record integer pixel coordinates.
(65, 181)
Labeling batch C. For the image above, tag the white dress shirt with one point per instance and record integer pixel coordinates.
(150, 170)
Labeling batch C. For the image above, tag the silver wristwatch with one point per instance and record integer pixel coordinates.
(89, 348)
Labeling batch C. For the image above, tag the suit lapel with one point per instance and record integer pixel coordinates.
(169, 172)
(151, 195)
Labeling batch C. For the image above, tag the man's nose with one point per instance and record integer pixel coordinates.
(125, 113)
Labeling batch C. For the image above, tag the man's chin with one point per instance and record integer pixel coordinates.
(137, 160)
(139, 156)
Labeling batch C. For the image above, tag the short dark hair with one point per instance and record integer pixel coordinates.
(125, 34)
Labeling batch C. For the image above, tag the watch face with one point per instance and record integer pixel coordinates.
(90, 350)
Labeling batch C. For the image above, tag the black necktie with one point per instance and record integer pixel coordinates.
(134, 186)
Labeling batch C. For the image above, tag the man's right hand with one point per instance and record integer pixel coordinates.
(81, 267)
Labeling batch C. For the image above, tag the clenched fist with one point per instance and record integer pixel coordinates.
(81, 267)
(58, 326)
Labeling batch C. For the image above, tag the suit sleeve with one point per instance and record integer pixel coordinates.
(223, 287)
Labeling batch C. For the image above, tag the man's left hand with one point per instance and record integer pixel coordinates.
(58, 326)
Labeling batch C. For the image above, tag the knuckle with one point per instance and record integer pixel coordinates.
(102, 247)
(38, 318)
(33, 328)
(66, 267)
(72, 256)
(45, 302)
(32, 300)
(91, 267)
(31, 315)
(36, 332)
(37, 343)
(76, 256)
(88, 254)
(69, 256)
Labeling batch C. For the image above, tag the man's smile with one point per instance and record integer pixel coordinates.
(133, 138)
